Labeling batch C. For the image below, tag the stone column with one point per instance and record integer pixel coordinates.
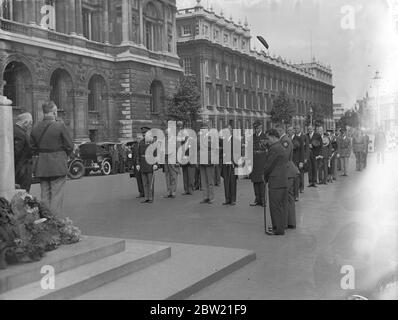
(7, 169)
(125, 21)
(141, 39)
(79, 18)
(105, 18)
(41, 94)
(72, 17)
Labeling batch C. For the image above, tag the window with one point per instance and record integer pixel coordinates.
(153, 28)
(207, 95)
(156, 93)
(87, 31)
(186, 30)
(245, 100)
(244, 76)
(206, 67)
(227, 72)
(216, 35)
(6, 9)
(235, 42)
(259, 102)
(265, 83)
(228, 104)
(217, 70)
(272, 83)
(236, 74)
(206, 30)
(236, 98)
(258, 81)
(218, 93)
(226, 38)
(243, 44)
(186, 62)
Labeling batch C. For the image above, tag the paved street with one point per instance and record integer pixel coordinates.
(350, 222)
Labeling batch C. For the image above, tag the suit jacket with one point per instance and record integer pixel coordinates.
(316, 143)
(276, 165)
(287, 144)
(54, 148)
(259, 157)
(298, 149)
(145, 167)
(344, 146)
(22, 149)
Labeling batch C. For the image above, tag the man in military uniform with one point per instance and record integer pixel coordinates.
(53, 144)
(259, 156)
(276, 174)
(135, 160)
(188, 168)
(292, 173)
(146, 169)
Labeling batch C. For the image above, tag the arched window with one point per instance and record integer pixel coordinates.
(153, 27)
(61, 84)
(96, 87)
(157, 97)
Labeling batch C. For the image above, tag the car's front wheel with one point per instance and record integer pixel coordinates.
(76, 170)
(106, 168)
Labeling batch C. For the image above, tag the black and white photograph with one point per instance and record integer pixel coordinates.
(211, 152)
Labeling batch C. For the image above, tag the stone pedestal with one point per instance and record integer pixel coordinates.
(7, 170)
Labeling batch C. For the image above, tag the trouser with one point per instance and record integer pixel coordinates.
(148, 180)
(198, 184)
(322, 170)
(290, 204)
(23, 177)
(298, 182)
(207, 176)
(259, 192)
(312, 169)
(365, 159)
(358, 157)
(171, 175)
(188, 173)
(277, 207)
(217, 175)
(380, 156)
(115, 167)
(230, 183)
(52, 193)
(339, 164)
(333, 168)
(344, 164)
(140, 185)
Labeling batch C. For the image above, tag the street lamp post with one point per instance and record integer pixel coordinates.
(377, 79)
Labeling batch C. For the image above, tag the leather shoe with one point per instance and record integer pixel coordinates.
(233, 203)
(145, 201)
(205, 201)
(272, 233)
(255, 204)
(291, 227)
(226, 203)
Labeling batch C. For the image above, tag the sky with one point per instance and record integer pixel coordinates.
(355, 37)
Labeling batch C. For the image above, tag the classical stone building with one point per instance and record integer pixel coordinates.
(239, 84)
(108, 65)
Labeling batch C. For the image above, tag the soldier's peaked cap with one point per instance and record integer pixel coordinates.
(257, 123)
(145, 128)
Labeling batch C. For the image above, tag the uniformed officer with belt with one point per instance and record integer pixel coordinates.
(259, 156)
(275, 173)
(292, 173)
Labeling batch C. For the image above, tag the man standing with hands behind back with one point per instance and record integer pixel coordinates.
(53, 144)
(259, 156)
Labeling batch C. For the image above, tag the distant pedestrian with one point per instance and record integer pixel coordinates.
(53, 144)
(115, 156)
(135, 171)
(380, 145)
(228, 168)
(188, 168)
(358, 147)
(365, 152)
(23, 151)
(315, 149)
(299, 158)
(344, 149)
(171, 168)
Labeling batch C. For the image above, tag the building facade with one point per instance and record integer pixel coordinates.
(338, 112)
(108, 65)
(239, 85)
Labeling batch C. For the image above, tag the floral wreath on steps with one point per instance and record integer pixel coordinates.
(28, 229)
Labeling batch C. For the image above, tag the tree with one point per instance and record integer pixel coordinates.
(185, 104)
(282, 111)
(350, 119)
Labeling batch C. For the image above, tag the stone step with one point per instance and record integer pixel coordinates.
(189, 269)
(67, 257)
(75, 282)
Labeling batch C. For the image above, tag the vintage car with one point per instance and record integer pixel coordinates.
(96, 157)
